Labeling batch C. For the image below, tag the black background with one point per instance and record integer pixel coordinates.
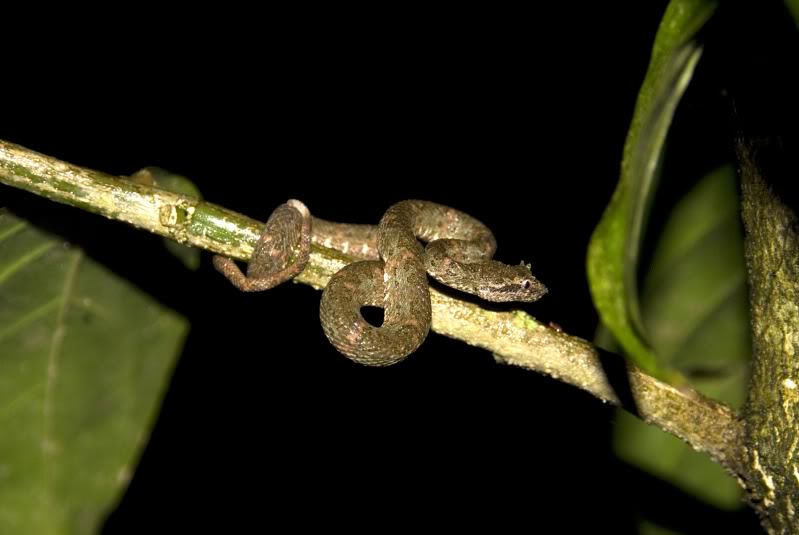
(516, 117)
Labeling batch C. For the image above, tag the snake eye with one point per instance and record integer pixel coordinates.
(526, 285)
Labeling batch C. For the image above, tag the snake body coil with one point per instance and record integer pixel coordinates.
(458, 254)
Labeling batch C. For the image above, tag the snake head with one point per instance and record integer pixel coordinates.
(504, 283)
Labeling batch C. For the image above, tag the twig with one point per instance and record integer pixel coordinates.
(514, 337)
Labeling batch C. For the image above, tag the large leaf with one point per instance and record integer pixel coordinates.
(84, 360)
(614, 248)
(694, 296)
(694, 306)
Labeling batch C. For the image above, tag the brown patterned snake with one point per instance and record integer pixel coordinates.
(458, 254)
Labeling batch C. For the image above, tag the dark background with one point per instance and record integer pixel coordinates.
(516, 117)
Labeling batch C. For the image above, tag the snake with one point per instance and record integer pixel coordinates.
(390, 272)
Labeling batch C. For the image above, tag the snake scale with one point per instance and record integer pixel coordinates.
(391, 274)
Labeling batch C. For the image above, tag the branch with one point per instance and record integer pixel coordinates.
(179, 217)
(514, 337)
(772, 408)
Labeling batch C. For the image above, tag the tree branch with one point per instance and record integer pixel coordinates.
(772, 409)
(514, 337)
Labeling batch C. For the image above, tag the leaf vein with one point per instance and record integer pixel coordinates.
(711, 312)
(14, 229)
(59, 332)
(24, 260)
(9, 407)
(30, 316)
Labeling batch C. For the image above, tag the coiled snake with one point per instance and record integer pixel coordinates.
(392, 274)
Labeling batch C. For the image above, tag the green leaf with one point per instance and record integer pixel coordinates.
(614, 248)
(649, 528)
(85, 358)
(793, 7)
(694, 299)
(695, 308)
(155, 176)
